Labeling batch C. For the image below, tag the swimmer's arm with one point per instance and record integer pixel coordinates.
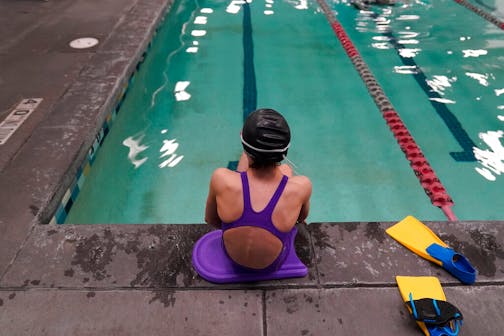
(211, 215)
(305, 208)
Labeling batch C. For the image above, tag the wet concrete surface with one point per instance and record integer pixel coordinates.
(132, 279)
(350, 289)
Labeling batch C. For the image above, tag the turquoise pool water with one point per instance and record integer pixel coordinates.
(182, 115)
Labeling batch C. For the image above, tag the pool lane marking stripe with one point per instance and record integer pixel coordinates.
(424, 172)
(487, 16)
(448, 117)
(249, 78)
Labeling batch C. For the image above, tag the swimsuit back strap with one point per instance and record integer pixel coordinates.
(276, 196)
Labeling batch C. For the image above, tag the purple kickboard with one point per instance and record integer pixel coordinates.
(212, 263)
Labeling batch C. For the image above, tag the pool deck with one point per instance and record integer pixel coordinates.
(138, 279)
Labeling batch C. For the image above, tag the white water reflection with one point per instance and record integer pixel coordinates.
(135, 148)
(180, 91)
(492, 159)
(198, 32)
(382, 45)
(407, 17)
(482, 79)
(200, 20)
(474, 52)
(498, 92)
(406, 70)
(443, 100)
(169, 147)
(235, 6)
(440, 83)
(409, 52)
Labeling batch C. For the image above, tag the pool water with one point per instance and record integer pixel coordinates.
(212, 62)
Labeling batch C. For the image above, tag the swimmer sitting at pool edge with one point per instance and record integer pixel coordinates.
(258, 205)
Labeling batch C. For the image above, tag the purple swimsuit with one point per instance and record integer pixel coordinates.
(262, 220)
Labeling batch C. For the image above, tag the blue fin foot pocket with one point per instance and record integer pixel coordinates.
(455, 263)
(441, 318)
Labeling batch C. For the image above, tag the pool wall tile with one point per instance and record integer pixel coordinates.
(70, 196)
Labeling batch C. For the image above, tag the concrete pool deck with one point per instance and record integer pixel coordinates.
(132, 279)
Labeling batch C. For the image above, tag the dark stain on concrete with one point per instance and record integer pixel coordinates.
(69, 272)
(482, 254)
(302, 246)
(375, 231)
(94, 253)
(340, 320)
(166, 297)
(167, 262)
(35, 282)
(90, 295)
(291, 303)
(12, 296)
(34, 209)
(1, 302)
(321, 238)
(51, 232)
(305, 332)
(221, 302)
(349, 227)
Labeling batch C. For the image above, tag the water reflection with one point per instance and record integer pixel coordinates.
(168, 148)
(492, 159)
(482, 79)
(135, 148)
(439, 83)
(180, 91)
(474, 53)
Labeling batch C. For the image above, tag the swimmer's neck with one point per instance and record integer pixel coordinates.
(265, 172)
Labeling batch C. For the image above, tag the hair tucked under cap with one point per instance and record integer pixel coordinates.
(266, 136)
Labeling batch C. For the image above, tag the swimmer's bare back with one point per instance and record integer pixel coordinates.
(250, 246)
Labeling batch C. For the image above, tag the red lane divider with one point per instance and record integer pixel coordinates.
(424, 172)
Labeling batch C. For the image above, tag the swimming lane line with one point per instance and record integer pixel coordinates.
(249, 78)
(448, 117)
(427, 177)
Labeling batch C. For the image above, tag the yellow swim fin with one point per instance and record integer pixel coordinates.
(417, 237)
(426, 302)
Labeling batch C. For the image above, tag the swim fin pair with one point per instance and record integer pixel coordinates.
(426, 302)
(417, 237)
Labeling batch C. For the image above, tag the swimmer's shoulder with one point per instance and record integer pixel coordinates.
(224, 178)
(301, 184)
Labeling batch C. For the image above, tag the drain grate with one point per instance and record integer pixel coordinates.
(84, 43)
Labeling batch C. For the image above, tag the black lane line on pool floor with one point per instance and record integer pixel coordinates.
(418, 162)
(450, 120)
(485, 15)
(249, 78)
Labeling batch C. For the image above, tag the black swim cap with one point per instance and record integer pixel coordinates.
(266, 136)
